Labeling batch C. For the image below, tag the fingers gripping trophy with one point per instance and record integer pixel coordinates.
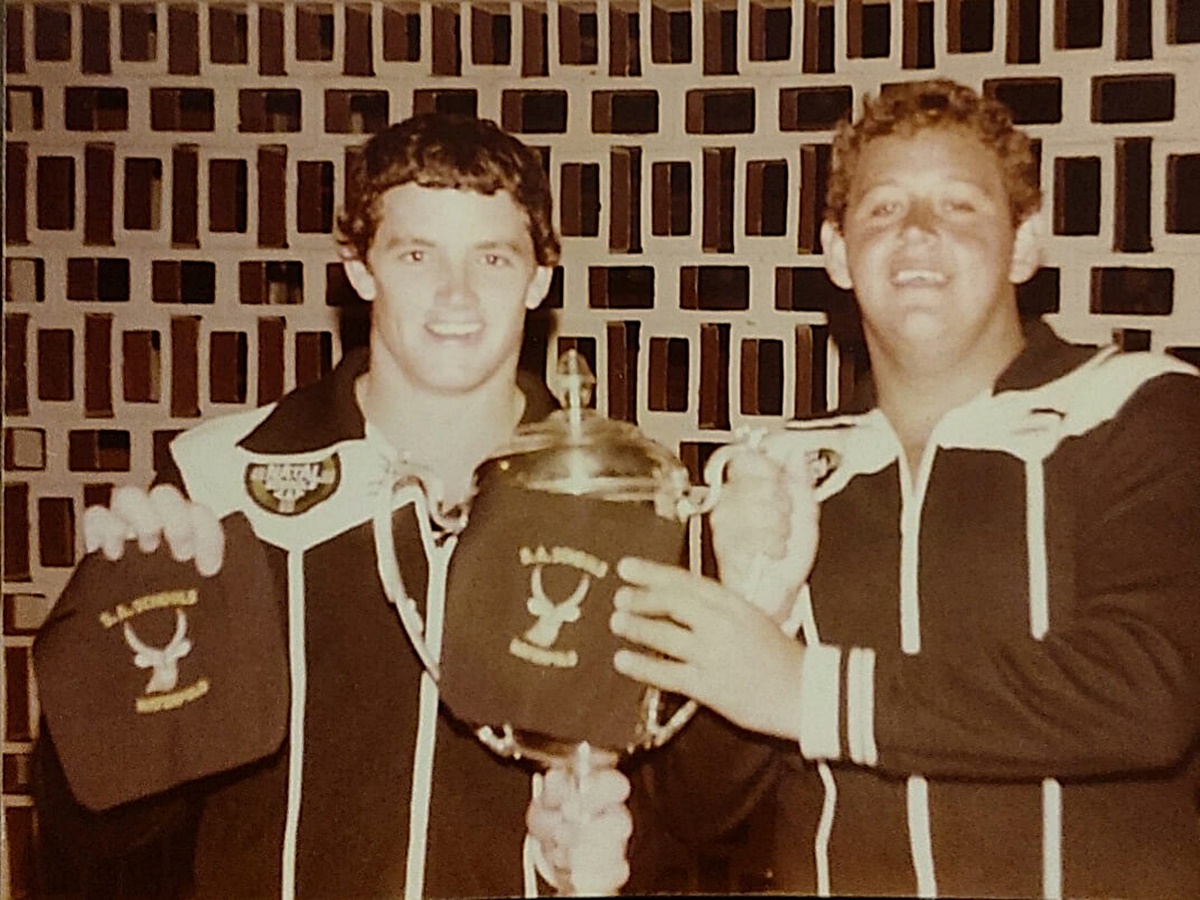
(526, 650)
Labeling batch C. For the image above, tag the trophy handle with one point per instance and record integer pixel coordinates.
(822, 460)
(700, 500)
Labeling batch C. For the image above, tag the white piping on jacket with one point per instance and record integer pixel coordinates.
(912, 500)
(298, 670)
(422, 785)
(1039, 625)
(808, 627)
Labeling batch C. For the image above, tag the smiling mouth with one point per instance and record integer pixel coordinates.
(918, 278)
(454, 329)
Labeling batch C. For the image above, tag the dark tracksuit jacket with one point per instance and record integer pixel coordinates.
(376, 791)
(1001, 695)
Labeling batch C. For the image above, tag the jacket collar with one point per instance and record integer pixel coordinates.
(1044, 358)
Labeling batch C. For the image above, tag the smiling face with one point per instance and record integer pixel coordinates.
(929, 248)
(451, 274)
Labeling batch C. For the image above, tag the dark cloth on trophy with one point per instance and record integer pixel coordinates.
(527, 641)
(176, 676)
(1041, 735)
(374, 787)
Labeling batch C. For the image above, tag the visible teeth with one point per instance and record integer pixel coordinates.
(454, 329)
(919, 276)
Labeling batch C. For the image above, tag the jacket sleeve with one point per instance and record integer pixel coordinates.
(709, 779)
(1115, 689)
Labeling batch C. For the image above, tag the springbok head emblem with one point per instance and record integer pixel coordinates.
(552, 616)
(164, 662)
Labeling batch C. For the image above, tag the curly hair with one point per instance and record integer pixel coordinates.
(441, 150)
(906, 108)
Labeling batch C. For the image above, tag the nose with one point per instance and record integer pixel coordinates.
(920, 219)
(455, 285)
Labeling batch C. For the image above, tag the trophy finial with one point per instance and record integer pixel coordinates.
(573, 385)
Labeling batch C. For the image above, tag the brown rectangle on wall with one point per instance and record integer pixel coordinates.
(227, 356)
(227, 195)
(270, 358)
(185, 366)
(814, 160)
(98, 194)
(359, 55)
(656, 394)
(534, 51)
(97, 365)
(56, 364)
(314, 351)
(96, 58)
(625, 186)
(16, 186)
(1131, 221)
(56, 532)
(16, 364)
(183, 39)
(185, 201)
(623, 346)
(314, 197)
(272, 196)
(749, 380)
(754, 197)
(16, 532)
(714, 375)
(22, 853)
(270, 40)
(14, 44)
(56, 193)
(718, 199)
(17, 708)
(140, 366)
(447, 57)
(804, 372)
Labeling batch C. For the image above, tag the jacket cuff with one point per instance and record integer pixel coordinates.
(819, 702)
(828, 697)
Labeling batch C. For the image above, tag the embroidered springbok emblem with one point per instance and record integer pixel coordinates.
(164, 662)
(552, 616)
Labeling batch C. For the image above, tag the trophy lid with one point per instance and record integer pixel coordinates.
(577, 451)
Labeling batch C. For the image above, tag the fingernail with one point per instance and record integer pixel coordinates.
(621, 598)
(618, 621)
(621, 660)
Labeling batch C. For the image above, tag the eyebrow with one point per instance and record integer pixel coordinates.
(401, 240)
(511, 246)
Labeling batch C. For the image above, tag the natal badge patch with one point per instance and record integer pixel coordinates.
(291, 488)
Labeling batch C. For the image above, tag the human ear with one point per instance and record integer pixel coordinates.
(835, 255)
(539, 286)
(1027, 248)
(359, 275)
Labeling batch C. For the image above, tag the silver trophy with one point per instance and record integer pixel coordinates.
(552, 514)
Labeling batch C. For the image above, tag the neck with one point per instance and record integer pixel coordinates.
(916, 390)
(448, 434)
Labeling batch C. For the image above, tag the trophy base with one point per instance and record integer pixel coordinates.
(576, 756)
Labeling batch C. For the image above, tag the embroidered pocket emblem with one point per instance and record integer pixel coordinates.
(290, 488)
(536, 645)
(160, 693)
